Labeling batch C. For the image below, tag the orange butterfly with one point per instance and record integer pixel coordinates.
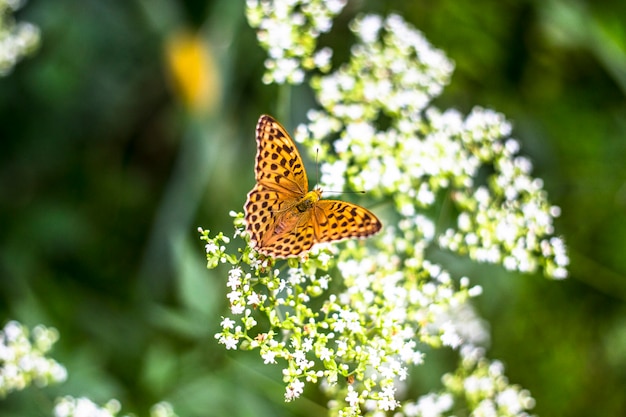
(283, 218)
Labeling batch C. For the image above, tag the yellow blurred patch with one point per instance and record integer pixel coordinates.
(192, 71)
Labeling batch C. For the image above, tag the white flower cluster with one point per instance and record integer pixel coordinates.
(16, 39)
(478, 385)
(377, 131)
(69, 406)
(368, 333)
(481, 385)
(23, 362)
(288, 30)
(22, 358)
(394, 312)
(422, 154)
(392, 68)
(508, 220)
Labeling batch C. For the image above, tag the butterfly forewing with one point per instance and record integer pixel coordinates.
(278, 162)
(282, 219)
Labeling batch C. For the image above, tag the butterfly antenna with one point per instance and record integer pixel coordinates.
(317, 165)
(345, 192)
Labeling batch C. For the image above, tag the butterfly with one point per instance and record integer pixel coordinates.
(282, 217)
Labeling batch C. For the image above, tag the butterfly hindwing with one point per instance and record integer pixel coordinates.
(261, 208)
(297, 237)
(337, 220)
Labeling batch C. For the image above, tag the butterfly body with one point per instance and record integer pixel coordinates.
(283, 218)
(309, 200)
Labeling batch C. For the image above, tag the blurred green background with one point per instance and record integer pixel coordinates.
(107, 169)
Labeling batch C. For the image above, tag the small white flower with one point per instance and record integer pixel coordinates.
(234, 296)
(430, 405)
(254, 299)
(237, 309)
(294, 390)
(234, 278)
(325, 354)
(307, 344)
(387, 399)
(450, 337)
(368, 28)
(269, 357)
(162, 409)
(335, 6)
(322, 57)
(508, 399)
(227, 323)
(211, 247)
(352, 397)
(230, 342)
